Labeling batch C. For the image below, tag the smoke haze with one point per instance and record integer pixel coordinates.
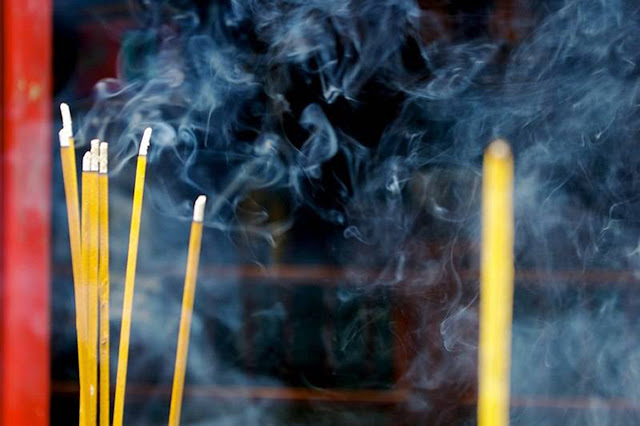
(350, 134)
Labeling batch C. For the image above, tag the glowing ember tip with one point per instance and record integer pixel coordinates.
(198, 208)
(66, 117)
(146, 139)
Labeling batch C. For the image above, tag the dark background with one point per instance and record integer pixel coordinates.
(321, 328)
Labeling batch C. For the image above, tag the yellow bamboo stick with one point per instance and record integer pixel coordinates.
(103, 184)
(496, 291)
(188, 295)
(129, 281)
(92, 281)
(85, 391)
(70, 178)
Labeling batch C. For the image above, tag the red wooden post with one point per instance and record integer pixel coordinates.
(25, 185)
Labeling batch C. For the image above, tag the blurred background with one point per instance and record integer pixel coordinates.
(340, 145)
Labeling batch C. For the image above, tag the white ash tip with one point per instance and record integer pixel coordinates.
(198, 208)
(146, 139)
(104, 157)
(86, 161)
(66, 117)
(499, 148)
(63, 137)
(95, 155)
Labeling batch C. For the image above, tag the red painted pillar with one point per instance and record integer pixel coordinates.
(25, 186)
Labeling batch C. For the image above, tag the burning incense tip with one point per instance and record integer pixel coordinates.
(86, 162)
(63, 136)
(499, 148)
(104, 157)
(198, 208)
(146, 139)
(95, 155)
(66, 118)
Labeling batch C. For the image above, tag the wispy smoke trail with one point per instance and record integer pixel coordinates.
(373, 115)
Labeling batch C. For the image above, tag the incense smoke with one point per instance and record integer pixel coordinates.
(367, 120)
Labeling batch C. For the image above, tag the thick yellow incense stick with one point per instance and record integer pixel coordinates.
(70, 178)
(103, 271)
(191, 275)
(92, 280)
(83, 306)
(129, 281)
(496, 292)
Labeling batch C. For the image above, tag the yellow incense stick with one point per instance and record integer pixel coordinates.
(496, 291)
(103, 271)
(92, 280)
(83, 306)
(191, 275)
(129, 281)
(70, 178)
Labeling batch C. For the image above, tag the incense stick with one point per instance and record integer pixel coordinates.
(82, 307)
(191, 275)
(103, 272)
(129, 284)
(70, 179)
(92, 279)
(496, 292)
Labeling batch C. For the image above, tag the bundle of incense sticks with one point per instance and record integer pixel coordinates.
(88, 236)
(89, 240)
